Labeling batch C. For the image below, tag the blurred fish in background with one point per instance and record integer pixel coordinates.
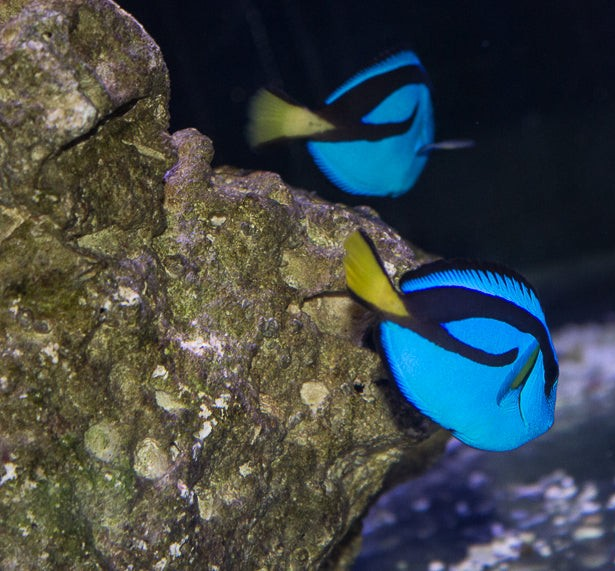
(373, 134)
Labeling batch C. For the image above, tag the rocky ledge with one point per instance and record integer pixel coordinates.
(183, 383)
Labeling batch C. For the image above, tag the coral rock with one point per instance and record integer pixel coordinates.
(182, 379)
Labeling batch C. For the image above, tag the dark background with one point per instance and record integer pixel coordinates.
(532, 82)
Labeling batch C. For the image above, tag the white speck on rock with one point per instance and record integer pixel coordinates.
(169, 403)
(175, 550)
(51, 352)
(198, 346)
(10, 473)
(245, 469)
(217, 220)
(202, 347)
(222, 401)
(314, 394)
(150, 460)
(205, 431)
(127, 297)
(160, 372)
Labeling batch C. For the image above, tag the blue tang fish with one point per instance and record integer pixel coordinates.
(373, 134)
(467, 344)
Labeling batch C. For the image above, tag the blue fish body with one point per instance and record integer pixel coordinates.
(390, 165)
(470, 349)
(373, 134)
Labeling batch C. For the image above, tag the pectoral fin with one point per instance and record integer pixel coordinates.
(450, 145)
(521, 373)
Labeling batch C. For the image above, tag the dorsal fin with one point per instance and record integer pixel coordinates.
(400, 59)
(491, 279)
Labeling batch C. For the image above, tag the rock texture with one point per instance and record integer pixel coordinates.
(182, 378)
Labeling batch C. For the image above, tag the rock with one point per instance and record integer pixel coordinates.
(182, 379)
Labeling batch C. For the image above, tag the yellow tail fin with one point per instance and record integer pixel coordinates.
(367, 279)
(271, 118)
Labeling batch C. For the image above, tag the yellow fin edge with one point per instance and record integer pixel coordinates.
(366, 278)
(523, 374)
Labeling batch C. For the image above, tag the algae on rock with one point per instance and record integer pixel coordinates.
(182, 381)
